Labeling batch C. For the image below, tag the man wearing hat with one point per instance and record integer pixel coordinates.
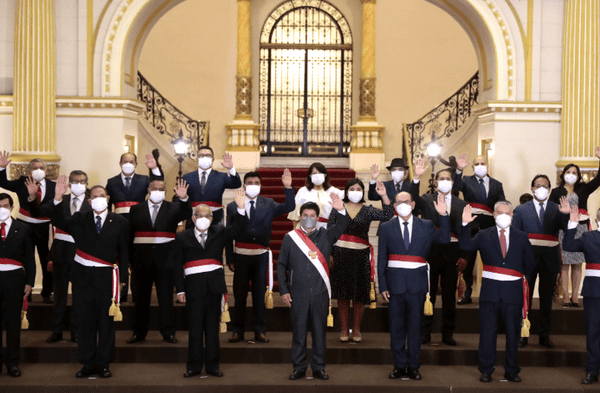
(400, 181)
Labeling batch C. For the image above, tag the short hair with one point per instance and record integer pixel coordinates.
(4, 196)
(159, 180)
(505, 203)
(321, 168)
(77, 172)
(252, 174)
(36, 160)
(97, 186)
(310, 206)
(124, 154)
(523, 199)
(541, 176)
(449, 170)
(565, 169)
(349, 184)
(206, 148)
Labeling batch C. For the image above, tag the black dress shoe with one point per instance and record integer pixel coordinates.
(589, 379)
(512, 377)
(86, 372)
(426, 339)
(215, 373)
(546, 342)
(486, 377)
(136, 339)
(261, 338)
(47, 300)
(236, 337)
(464, 300)
(170, 339)
(13, 371)
(449, 341)
(297, 375)
(104, 372)
(413, 374)
(320, 374)
(190, 373)
(523, 342)
(398, 373)
(54, 337)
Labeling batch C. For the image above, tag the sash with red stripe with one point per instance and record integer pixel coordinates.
(59, 234)
(592, 269)
(201, 266)
(314, 255)
(83, 258)
(541, 240)
(256, 249)
(513, 273)
(124, 207)
(9, 261)
(24, 215)
(153, 237)
(358, 240)
(479, 208)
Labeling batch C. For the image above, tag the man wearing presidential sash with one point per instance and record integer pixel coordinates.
(303, 276)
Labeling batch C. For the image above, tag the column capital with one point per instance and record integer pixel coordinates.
(366, 1)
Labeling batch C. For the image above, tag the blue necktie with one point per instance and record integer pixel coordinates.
(127, 183)
(252, 210)
(406, 236)
(483, 194)
(98, 224)
(542, 212)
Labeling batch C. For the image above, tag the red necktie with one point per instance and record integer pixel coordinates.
(38, 194)
(3, 231)
(503, 243)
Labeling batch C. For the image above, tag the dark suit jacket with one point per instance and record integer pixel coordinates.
(589, 244)
(389, 188)
(18, 186)
(169, 215)
(398, 281)
(527, 220)
(583, 191)
(469, 186)
(137, 190)
(519, 257)
(18, 246)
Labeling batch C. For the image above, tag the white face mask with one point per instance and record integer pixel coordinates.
(128, 168)
(355, 196)
(480, 170)
(4, 214)
(157, 196)
(202, 223)
(503, 220)
(397, 176)
(444, 186)
(570, 178)
(38, 174)
(99, 204)
(252, 190)
(404, 210)
(317, 178)
(541, 193)
(205, 162)
(77, 189)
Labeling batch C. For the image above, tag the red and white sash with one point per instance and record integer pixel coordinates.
(358, 243)
(201, 266)
(24, 215)
(592, 269)
(124, 207)
(7, 264)
(88, 260)
(59, 234)
(313, 254)
(503, 274)
(406, 261)
(213, 205)
(153, 237)
(256, 249)
(478, 208)
(537, 239)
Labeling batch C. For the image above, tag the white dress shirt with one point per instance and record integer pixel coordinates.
(506, 234)
(102, 217)
(536, 203)
(410, 225)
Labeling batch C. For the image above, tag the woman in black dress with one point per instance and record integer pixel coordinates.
(351, 267)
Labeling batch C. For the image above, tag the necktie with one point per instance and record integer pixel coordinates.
(98, 224)
(38, 193)
(503, 242)
(74, 205)
(203, 239)
(252, 210)
(3, 231)
(127, 183)
(406, 235)
(483, 194)
(542, 212)
(397, 188)
(154, 213)
(203, 181)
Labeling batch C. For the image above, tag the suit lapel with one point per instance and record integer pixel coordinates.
(416, 234)
(496, 240)
(107, 224)
(13, 230)
(161, 212)
(146, 213)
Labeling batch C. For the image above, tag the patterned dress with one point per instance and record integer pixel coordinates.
(351, 272)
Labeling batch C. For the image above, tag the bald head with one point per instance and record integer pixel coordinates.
(479, 160)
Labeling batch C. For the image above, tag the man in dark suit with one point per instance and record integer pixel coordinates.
(101, 238)
(303, 277)
(39, 226)
(541, 220)
(445, 260)
(400, 181)
(507, 258)
(152, 229)
(64, 250)
(250, 257)
(404, 244)
(17, 277)
(199, 258)
(481, 192)
(589, 244)
(207, 185)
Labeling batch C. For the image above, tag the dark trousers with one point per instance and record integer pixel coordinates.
(405, 315)
(204, 315)
(310, 313)
(61, 275)
(546, 294)
(39, 238)
(250, 268)
(468, 273)
(591, 308)
(164, 281)
(95, 328)
(490, 314)
(444, 270)
(12, 287)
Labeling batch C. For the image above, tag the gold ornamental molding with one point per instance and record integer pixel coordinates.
(517, 107)
(367, 139)
(17, 169)
(100, 103)
(242, 137)
(367, 98)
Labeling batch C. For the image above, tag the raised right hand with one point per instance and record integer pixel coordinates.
(4, 161)
(32, 187)
(62, 185)
(574, 214)
(374, 171)
(461, 161)
(420, 168)
(467, 216)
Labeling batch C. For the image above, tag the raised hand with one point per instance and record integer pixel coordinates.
(461, 161)
(150, 161)
(181, 189)
(420, 168)
(62, 185)
(467, 215)
(286, 179)
(4, 161)
(574, 214)
(227, 161)
(440, 204)
(564, 208)
(374, 171)
(32, 187)
(380, 188)
(336, 201)
(240, 198)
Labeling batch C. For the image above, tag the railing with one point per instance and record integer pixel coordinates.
(444, 120)
(169, 120)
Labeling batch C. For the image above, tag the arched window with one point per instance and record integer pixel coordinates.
(305, 80)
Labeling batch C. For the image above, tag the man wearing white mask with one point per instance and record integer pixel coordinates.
(152, 229)
(207, 185)
(102, 255)
(507, 258)
(481, 192)
(200, 283)
(541, 219)
(39, 226)
(249, 257)
(400, 181)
